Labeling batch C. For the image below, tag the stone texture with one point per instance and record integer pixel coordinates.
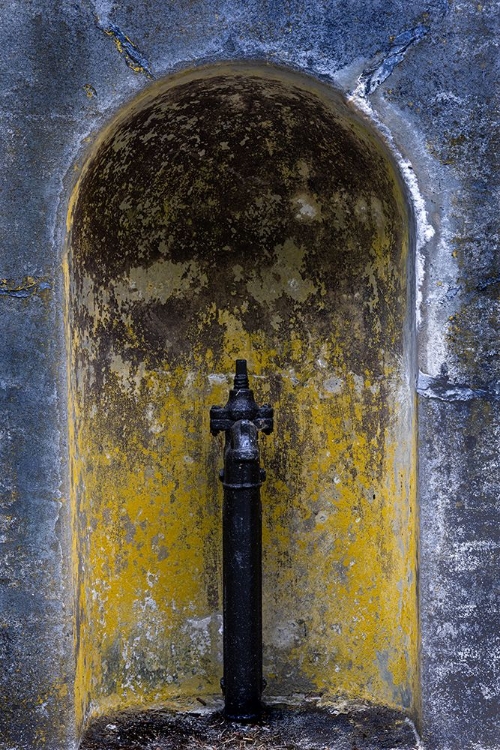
(460, 590)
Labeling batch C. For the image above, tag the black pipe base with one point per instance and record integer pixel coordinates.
(243, 718)
(241, 706)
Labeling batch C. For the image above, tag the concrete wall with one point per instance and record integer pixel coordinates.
(426, 76)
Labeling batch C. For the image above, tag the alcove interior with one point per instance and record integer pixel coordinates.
(228, 212)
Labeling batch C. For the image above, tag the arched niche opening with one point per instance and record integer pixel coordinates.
(240, 211)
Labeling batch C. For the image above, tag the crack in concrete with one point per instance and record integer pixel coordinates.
(23, 289)
(442, 389)
(384, 64)
(134, 58)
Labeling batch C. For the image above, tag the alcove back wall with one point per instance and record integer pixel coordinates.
(241, 212)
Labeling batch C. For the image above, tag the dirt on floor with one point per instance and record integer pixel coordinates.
(281, 728)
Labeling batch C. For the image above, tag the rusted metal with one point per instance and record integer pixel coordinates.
(241, 420)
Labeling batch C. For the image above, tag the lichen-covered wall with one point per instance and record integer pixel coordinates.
(242, 212)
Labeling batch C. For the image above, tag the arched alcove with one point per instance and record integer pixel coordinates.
(239, 211)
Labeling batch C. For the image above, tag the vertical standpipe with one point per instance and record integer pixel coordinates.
(241, 420)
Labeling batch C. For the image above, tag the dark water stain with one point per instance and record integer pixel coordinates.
(229, 176)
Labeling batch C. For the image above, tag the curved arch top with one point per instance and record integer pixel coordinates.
(242, 211)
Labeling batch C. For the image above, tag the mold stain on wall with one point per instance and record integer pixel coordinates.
(241, 212)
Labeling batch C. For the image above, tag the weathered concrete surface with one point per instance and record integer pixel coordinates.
(35, 638)
(428, 72)
(460, 586)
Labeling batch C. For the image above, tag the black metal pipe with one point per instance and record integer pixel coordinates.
(241, 419)
(242, 575)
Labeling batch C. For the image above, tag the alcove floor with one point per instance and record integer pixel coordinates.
(305, 727)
